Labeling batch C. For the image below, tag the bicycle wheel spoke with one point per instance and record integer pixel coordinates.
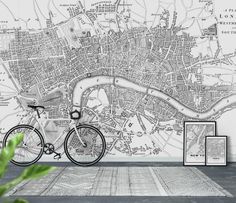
(93, 149)
(31, 148)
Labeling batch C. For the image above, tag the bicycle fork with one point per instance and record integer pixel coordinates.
(78, 135)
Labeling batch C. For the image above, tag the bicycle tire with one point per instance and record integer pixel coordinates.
(24, 164)
(85, 163)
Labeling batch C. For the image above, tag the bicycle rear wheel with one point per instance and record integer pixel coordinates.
(85, 155)
(30, 150)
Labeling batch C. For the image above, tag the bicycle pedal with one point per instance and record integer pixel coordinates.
(57, 156)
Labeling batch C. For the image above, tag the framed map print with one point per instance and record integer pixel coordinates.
(216, 150)
(194, 141)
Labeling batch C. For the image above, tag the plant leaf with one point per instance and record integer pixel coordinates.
(3, 189)
(36, 171)
(20, 201)
(9, 185)
(8, 152)
(32, 172)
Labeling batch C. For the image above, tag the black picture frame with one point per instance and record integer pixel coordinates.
(185, 123)
(225, 150)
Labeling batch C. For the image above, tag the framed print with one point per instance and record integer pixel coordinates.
(194, 141)
(216, 150)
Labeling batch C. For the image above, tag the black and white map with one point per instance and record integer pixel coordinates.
(135, 68)
(216, 150)
(194, 141)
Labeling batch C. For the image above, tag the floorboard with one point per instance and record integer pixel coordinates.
(223, 176)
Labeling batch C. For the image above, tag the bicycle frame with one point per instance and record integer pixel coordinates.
(73, 125)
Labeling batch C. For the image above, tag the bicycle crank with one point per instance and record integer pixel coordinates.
(50, 149)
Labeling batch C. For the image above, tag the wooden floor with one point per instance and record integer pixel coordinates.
(134, 182)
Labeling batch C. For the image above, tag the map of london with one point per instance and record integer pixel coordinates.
(136, 69)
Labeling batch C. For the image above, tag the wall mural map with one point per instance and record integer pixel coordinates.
(136, 68)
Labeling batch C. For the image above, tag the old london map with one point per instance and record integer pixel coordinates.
(135, 68)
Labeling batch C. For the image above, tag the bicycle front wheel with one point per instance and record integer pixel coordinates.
(93, 150)
(30, 150)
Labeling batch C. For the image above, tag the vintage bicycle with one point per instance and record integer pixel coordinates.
(84, 144)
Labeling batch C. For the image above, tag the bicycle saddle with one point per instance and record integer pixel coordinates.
(35, 107)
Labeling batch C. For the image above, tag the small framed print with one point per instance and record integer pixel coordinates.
(216, 150)
(194, 141)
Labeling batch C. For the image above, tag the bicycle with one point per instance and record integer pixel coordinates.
(84, 145)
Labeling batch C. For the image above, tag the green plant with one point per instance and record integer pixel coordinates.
(31, 172)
